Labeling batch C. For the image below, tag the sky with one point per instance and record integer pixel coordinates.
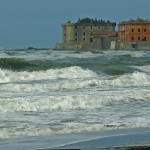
(37, 23)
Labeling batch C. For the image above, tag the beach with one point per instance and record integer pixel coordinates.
(123, 139)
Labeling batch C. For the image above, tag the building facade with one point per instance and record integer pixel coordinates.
(134, 30)
(82, 34)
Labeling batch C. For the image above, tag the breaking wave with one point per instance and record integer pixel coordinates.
(67, 78)
(72, 102)
(69, 73)
(50, 92)
(134, 79)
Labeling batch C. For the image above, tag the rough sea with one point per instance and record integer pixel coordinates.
(46, 92)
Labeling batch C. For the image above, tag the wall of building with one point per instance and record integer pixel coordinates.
(141, 45)
(106, 42)
(68, 46)
(80, 35)
(134, 32)
(99, 43)
(83, 34)
(68, 31)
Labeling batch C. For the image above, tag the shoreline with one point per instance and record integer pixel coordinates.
(127, 139)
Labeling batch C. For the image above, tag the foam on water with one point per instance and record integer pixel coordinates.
(48, 85)
(134, 79)
(143, 68)
(74, 99)
(69, 78)
(69, 73)
(67, 128)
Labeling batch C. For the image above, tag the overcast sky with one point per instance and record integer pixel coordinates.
(37, 23)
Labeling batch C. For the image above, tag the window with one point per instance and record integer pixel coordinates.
(145, 38)
(83, 39)
(139, 30)
(91, 33)
(76, 33)
(83, 33)
(83, 27)
(76, 39)
(76, 27)
(132, 30)
(91, 27)
(91, 40)
(133, 45)
(132, 38)
(144, 30)
(139, 38)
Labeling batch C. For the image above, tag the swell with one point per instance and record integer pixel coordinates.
(15, 64)
(113, 65)
(50, 74)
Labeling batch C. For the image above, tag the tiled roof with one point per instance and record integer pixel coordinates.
(108, 33)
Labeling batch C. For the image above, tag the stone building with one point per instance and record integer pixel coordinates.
(87, 34)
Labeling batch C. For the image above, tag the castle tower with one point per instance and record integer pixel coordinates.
(81, 35)
(68, 32)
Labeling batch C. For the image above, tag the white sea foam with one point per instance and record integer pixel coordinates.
(143, 68)
(67, 128)
(138, 54)
(91, 102)
(69, 73)
(134, 79)
(48, 85)
(72, 101)
(71, 78)
(49, 103)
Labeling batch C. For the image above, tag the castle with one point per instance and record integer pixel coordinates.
(93, 34)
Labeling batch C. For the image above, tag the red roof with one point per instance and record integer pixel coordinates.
(108, 33)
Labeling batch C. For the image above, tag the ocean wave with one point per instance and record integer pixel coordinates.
(14, 63)
(142, 68)
(64, 129)
(132, 79)
(68, 72)
(71, 78)
(72, 102)
(47, 85)
(49, 103)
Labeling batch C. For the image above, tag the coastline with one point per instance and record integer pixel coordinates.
(127, 139)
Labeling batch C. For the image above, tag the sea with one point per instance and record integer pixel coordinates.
(53, 92)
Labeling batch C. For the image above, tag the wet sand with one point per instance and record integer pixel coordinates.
(124, 139)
